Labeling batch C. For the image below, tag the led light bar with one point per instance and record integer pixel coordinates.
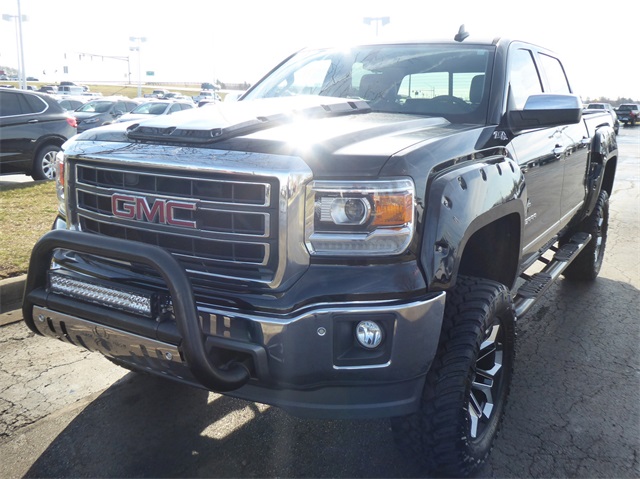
(129, 301)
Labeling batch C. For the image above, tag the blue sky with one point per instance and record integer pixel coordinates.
(201, 40)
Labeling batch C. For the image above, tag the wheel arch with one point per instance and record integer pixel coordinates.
(47, 141)
(602, 165)
(503, 239)
(474, 223)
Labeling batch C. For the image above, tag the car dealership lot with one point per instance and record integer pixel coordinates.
(572, 410)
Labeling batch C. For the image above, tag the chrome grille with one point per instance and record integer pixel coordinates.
(233, 227)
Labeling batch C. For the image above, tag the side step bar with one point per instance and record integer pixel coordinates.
(536, 285)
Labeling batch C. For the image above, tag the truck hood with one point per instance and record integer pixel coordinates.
(324, 131)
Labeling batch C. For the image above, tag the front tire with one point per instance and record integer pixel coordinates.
(44, 163)
(588, 263)
(468, 384)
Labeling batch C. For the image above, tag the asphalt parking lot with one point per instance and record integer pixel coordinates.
(573, 409)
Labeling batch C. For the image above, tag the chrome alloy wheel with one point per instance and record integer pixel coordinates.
(49, 165)
(486, 384)
(598, 239)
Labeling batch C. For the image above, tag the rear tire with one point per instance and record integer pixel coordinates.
(588, 263)
(44, 163)
(468, 384)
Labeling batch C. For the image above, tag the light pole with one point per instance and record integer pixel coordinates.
(382, 21)
(139, 41)
(18, 19)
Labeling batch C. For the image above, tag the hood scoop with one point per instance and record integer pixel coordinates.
(253, 123)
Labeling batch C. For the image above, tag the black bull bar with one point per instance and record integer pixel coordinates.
(175, 277)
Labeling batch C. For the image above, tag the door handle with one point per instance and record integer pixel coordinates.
(558, 151)
(33, 121)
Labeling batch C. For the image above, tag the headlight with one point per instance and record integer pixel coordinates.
(59, 166)
(359, 218)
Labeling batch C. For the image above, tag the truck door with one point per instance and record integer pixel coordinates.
(540, 156)
(574, 140)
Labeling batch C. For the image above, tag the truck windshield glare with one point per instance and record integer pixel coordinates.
(443, 80)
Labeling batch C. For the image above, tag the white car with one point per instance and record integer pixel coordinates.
(152, 108)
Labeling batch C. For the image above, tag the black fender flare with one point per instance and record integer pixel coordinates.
(462, 201)
(604, 146)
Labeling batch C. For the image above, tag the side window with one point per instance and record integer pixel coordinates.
(555, 74)
(175, 107)
(9, 104)
(12, 104)
(35, 104)
(524, 79)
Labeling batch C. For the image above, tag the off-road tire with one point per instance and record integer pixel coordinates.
(478, 334)
(44, 163)
(587, 264)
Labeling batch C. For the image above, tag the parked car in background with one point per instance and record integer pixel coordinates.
(102, 112)
(153, 108)
(51, 89)
(158, 93)
(71, 103)
(70, 83)
(628, 113)
(33, 127)
(70, 90)
(593, 107)
(177, 96)
(207, 95)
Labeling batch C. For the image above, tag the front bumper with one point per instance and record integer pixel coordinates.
(306, 362)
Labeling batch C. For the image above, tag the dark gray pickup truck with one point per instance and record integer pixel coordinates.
(354, 238)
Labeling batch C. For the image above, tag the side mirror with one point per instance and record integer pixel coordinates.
(118, 113)
(546, 111)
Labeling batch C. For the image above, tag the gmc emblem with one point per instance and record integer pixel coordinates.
(160, 211)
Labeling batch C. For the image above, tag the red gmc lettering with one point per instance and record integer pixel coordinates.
(172, 206)
(161, 211)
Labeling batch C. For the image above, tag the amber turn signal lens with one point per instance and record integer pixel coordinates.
(393, 210)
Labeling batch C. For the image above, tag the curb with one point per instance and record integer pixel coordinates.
(11, 293)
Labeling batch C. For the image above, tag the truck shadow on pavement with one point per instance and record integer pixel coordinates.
(572, 413)
(150, 427)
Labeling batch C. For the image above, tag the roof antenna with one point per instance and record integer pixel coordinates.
(462, 34)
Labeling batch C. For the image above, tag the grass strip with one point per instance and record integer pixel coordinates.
(26, 213)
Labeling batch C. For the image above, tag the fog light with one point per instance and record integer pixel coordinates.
(369, 334)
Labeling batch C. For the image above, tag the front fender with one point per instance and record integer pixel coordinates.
(459, 203)
(603, 148)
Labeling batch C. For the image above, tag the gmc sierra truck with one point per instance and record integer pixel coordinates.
(354, 238)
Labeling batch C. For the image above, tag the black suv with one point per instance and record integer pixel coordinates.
(33, 127)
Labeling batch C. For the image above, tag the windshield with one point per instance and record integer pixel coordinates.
(96, 107)
(150, 108)
(431, 80)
